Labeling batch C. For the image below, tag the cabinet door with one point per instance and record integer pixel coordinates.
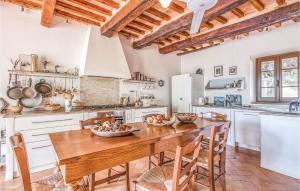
(247, 129)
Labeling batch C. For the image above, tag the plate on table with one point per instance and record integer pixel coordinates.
(159, 120)
(107, 129)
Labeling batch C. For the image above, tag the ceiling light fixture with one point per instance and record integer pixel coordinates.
(165, 3)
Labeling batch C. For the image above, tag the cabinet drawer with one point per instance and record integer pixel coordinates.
(40, 154)
(42, 133)
(28, 123)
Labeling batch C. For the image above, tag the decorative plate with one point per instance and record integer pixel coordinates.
(112, 133)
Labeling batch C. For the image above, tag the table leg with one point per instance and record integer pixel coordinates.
(127, 177)
(161, 157)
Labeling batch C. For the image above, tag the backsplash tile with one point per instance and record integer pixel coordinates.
(99, 90)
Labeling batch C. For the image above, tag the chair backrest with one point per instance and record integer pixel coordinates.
(18, 144)
(94, 121)
(184, 175)
(218, 139)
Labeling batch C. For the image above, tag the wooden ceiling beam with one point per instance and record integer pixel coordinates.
(72, 9)
(128, 35)
(141, 25)
(197, 49)
(91, 6)
(135, 30)
(279, 15)
(158, 14)
(183, 23)
(208, 25)
(257, 4)
(149, 19)
(280, 2)
(110, 3)
(184, 33)
(176, 8)
(26, 3)
(47, 12)
(131, 10)
(75, 18)
(237, 12)
(221, 19)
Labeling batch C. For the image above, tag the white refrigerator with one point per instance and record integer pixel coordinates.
(186, 91)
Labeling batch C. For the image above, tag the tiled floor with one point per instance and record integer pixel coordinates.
(243, 174)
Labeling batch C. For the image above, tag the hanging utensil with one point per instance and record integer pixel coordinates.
(44, 88)
(29, 92)
(15, 92)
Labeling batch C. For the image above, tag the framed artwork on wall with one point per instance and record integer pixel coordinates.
(218, 71)
(233, 70)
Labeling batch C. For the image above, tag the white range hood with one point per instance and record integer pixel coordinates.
(103, 56)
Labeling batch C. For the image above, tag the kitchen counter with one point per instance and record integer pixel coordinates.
(254, 108)
(74, 110)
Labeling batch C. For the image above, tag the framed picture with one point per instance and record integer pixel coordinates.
(218, 71)
(233, 70)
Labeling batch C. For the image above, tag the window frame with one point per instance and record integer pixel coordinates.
(278, 77)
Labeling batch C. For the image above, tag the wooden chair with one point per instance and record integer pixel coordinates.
(175, 177)
(49, 183)
(92, 179)
(213, 155)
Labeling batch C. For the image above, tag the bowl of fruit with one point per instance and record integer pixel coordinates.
(159, 120)
(186, 117)
(108, 129)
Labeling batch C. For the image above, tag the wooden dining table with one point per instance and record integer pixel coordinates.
(81, 153)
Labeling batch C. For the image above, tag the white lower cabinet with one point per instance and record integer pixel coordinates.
(35, 132)
(247, 129)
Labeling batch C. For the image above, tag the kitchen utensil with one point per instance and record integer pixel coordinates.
(29, 92)
(34, 62)
(3, 104)
(15, 92)
(32, 102)
(18, 108)
(186, 117)
(44, 88)
(45, 63)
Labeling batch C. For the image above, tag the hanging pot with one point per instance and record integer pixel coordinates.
(32, 102)
(14, 92)
(44, 88)
(29, 92)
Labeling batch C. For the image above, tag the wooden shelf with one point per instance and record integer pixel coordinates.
(139, 81)
(41, 74)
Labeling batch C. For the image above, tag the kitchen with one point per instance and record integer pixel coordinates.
(102, 73)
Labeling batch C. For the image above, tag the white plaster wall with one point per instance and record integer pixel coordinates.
(242, 53)
(149, 62)
(22, 33)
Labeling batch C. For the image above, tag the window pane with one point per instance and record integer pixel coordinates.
(289, 63)
(290, 92)
(267, 79)
(290, 77)
(268, 92)
(267, 65)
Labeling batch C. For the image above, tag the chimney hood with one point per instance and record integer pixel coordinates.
(103, 57)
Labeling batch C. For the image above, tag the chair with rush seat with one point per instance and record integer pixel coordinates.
(53, 182)
(92, 179)
(213, 156)
(177, 177)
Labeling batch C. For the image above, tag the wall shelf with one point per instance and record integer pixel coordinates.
(139, 81)
(41, 74)
(221, 84)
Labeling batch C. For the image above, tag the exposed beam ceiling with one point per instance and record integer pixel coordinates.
(131, 10)
(184, 22)
(47, 12)
(279, 15)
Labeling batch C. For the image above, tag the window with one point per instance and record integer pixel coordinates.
(278, 77)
